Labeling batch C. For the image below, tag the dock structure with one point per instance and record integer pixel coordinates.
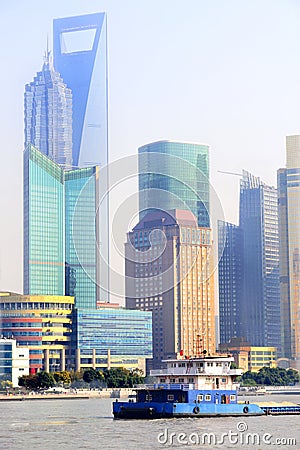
(282, 408)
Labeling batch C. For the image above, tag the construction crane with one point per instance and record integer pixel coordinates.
(231, 173)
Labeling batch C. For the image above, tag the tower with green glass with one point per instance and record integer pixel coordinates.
(60, 229)
(44, 240)
(174, 175)
(81, 230)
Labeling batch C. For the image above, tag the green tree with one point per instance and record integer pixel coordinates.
(119, 377)
(42, 380)
(45, 380)
(94, 377)
(270, 376)
(64, 377)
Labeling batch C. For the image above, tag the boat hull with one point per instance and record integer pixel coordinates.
(155, 410)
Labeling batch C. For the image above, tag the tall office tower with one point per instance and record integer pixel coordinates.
(60, 230)
(80, 56)
(260, 308)
(169, 270)
(48, 115)
(180, 171)
(230, 254)
(289, 233)
(82, 228)
(44, 240)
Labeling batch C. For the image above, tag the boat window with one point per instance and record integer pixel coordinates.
(200, 398)
(191, 380)
(148, 397)
(207, 398)
(181, 380)
(162, 380)
(224, 380)
(172, 380)
(232, 397)
(170, 397)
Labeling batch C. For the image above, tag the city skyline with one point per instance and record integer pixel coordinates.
(227, 102)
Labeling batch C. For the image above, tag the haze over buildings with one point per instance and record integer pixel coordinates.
(289, 232)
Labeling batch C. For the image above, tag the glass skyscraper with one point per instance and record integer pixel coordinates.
(44, 243)
(48, 115)
(81, 227)
(80, 56)
(260, 303)
(289, 232)
(60, 229)
(175, 175)
(230, 252)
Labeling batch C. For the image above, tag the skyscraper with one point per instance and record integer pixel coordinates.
(60, 230)
(44, 240)
(169, 271)
(260, 303)
(80, 56)
(289, 232)
(230, 253)
(81, 231)
(175, 175)
(48, 115)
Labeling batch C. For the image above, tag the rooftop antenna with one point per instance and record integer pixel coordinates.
(47, 52)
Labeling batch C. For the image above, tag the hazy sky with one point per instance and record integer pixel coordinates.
(221, 72)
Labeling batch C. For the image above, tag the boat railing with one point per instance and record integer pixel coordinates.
(177, 386)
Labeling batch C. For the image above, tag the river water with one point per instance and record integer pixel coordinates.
(88, 424)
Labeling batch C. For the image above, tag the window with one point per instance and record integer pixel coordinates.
(181, 380)
(148, 397)
(199, 398)
(162, 380)
(191, 380)
(233, 398)
(170, 397)
(207, 398)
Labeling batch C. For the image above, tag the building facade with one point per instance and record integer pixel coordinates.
(48, 115)
(260, 303)
(41, 323)
(44, 240)
(112, 337)
(168, 269)
(82, 235)
(175, 175)
(14, 361)
(80, 56)
(289, 232)
(248, 357)
(60, 229)
(230, 268)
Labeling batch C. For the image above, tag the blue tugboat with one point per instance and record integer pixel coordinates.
(189, 387)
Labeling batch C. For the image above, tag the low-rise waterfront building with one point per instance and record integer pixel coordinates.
(248, 357)
(42, 323)
(111, 336)
(14, 361)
